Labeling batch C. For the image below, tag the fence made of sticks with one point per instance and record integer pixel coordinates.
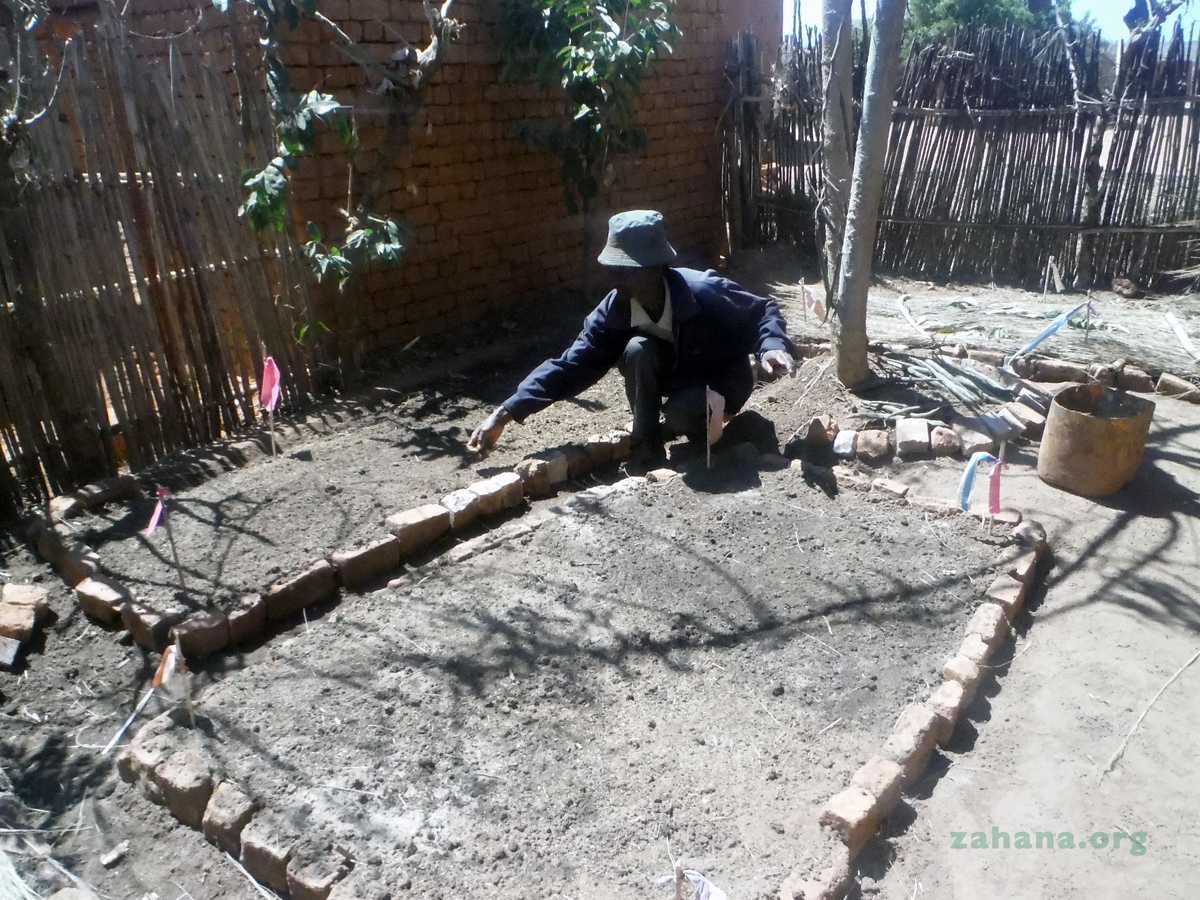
(135, 305)
(1005, 150)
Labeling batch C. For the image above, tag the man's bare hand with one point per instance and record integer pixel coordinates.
(778, 359)
(484, 438)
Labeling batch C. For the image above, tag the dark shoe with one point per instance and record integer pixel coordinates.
(643, 459)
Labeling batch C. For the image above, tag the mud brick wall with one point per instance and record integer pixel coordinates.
(489, 223)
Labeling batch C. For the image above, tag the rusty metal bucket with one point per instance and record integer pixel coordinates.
(1094, 439)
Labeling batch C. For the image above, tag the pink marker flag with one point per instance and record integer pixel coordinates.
(158, 511)
(716, 415)
(268, 390)
(994, 489)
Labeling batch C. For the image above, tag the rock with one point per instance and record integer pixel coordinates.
(491, 497)
(228, 812)
(149, 625)
(1030, 534)
(820, 431)
(943, 441)
(881, 778)
(535, 475)
(621, 445)
(578, 461)
(464, 506)
(102, 598)
(852, 814)
(1125, 287)
(890, 487)
(17, 622)
(115, 855)
(77, 563)
(512, 492)
(1059, 370)
(972, 435)
(660, 476)
(314, 585)
(9, 650)
(1132, 378)
(66, 507)
(912, 436)
(598, 450)
(314, 880)
(558, 467)
(946, 703)
(266, 850)
(938, 507)
(247, 618)
(28, 595)
(1008, 593)
(364, 564)
(1179, 388)
(990, 623)
(911, 741)
(874, 446)
(845, 444)
(1022, 567)
(202, 633)
(150, 748)
(186, 782)
(975, 649)
(966, 673)
(1033, 400)
(999, 427)
(1032, 421)
(847, 478)
(415, 529)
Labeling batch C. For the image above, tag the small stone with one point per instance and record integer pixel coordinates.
(990, 623)
(512, 492)
(558, 467)
(845, 445)
(9, 650)
(149, 749)
(202, 633)
(17, 622)
(464, 506)
(972, 435)
(890, 487)
(821, 431)
(266, 850)
(912, 436)
(849, 479)
(943, 441)
(115, 855)
(1179, 388)
(535, 476)
(102, 598)
(1030, 534)
(30, 595)
(415, 529)
(364, 564)
(314, 585)
(228, 812)
(185, 779)
(247, 618)
(1000, 427)
(1008, 593)
(874, 446)
(966, 673)
(1033, 400)
(1131, 378)
(621, 445)
(660, 476)
(1031, 420)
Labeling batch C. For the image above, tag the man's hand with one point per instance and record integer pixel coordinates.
(778, 359)
(484, 439)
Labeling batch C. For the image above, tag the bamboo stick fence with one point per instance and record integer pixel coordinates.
(993, 166)
(152, 302)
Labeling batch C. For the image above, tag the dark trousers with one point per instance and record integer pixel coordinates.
(647, 365)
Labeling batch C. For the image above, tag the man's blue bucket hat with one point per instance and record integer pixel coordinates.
(636, 239)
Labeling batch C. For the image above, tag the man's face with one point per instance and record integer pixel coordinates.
(638, 283)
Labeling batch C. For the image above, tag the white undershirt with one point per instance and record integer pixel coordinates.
(640, 320)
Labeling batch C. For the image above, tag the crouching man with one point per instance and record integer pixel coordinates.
(671, 332)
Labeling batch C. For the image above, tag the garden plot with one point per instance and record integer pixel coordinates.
(673, 671)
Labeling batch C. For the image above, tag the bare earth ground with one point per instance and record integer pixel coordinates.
(692, 635)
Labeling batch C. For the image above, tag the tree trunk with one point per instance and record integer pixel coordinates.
(862, 217)
(837, 70)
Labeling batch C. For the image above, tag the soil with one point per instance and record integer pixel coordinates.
(485, 729)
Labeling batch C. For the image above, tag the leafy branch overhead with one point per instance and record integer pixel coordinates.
(598, 52)
(400, 85)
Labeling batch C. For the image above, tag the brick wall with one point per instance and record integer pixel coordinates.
(489, 226)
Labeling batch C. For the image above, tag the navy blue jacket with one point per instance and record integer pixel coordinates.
(717, 325)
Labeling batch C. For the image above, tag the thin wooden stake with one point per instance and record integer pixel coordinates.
(174, 550)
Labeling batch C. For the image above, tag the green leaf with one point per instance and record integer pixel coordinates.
(314, 233)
